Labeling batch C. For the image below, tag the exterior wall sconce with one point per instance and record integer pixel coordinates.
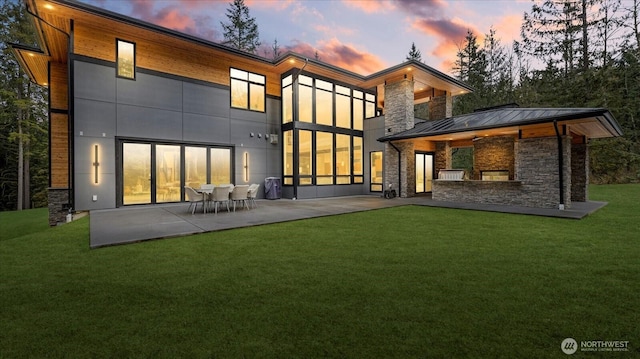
(95, 164)
(246, 166)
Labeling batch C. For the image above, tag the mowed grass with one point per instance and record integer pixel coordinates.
(402, 282)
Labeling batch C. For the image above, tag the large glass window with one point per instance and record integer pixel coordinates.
(157, 173)
(343, 107)
(287, 157)
(136, 173)
(305, 99)
(376, 171)
(324, 158)
(287, 100)
(305, 157)
(167, 173)
(358, 110)
(343, 159)
(324, 103)
(247, 90)
(126, 59)
(195, 166)
(357, 160)
(370, 106)
(220, 159)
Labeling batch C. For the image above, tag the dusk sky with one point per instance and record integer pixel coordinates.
(363, 36)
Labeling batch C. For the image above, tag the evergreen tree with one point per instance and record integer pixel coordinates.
(276, 49)
(471, 68)
(414, 53)
(241, 32)
(23, 121)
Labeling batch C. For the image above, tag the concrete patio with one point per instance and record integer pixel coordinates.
(138, 223)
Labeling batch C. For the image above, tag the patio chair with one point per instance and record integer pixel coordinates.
(240, 194)
(220, 195)
(194, 198)
(253, 193)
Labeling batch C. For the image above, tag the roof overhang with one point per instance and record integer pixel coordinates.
(588, 122)
(34, 61)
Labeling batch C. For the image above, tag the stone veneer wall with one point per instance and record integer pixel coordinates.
(443, 157)
(441, 107)
(536, 178)
(490, 192)
(58, 200)
(580, 172)
(399, 117)
(537, 169)
(493, 153)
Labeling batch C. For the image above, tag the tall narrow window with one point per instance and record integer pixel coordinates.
(220, 166)
(305, 100)
(358, 110)
(357, 160)
(324, 158)
(287, 156)
(370, 106)
(247, 90)
(343, 159)
(324, 103)
(305, 150)
(126, 59)
(343, 107)
(287, 99)
(375, 176)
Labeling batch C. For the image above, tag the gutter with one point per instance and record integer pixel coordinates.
(399, 167)
(560, 165)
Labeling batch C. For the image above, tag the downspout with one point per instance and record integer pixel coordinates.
(399, 167)
(560, 165)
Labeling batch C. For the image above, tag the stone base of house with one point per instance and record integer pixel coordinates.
(58, 199)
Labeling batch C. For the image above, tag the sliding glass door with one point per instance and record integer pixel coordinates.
(424, 172)
(157, 173)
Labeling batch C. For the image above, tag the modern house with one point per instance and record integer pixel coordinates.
(138, 111)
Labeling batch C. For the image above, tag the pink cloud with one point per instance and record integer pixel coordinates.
(345, 56)
(509, 24)
(370, 6)
(422, 8)
(181, 16)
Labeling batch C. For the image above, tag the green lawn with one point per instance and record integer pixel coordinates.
(402, 282)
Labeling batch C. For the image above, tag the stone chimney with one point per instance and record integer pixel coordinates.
(399, 117)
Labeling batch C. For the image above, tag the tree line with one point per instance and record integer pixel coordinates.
(572, 53)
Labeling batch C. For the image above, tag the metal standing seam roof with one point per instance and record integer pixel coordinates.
(502, 117)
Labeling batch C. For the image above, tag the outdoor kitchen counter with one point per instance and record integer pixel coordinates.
(475, 191)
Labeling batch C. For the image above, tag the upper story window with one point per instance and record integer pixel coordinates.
(125, 59)
(247, 90)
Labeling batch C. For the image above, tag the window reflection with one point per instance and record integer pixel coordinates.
(126, 61)
(376, 171)
(324, 107)
(136, 173)
(195, 166)
(247, 90)
(287, 160)
(343, 159)
(305, 157)
(220, 166)
(324, 158)
(167, 173)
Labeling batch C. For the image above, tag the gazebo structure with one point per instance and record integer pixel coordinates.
(534, 157)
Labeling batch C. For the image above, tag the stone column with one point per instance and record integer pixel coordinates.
(580, 172)
(441, 106)
(399, 117)
(58, 203)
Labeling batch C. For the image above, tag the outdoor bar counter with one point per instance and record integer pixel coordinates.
(476, 191)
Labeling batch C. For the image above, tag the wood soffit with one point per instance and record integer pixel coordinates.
(52, 22)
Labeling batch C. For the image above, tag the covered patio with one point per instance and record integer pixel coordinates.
(529, 157)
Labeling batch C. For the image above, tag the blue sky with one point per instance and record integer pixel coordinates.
(363, 36)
